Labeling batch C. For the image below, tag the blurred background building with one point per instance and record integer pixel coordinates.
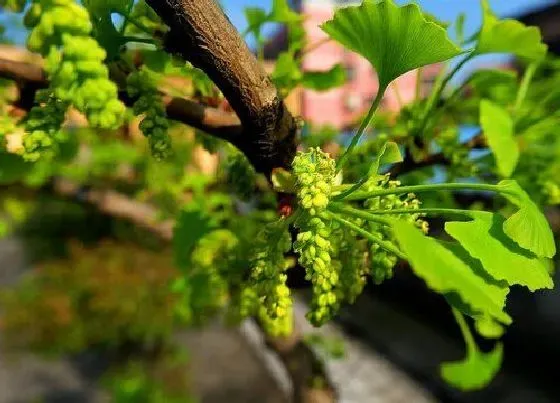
(339, 108)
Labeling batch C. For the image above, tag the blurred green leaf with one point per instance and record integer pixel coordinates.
(498, 128)
(324, 80)
(190, 227)
(508, 36)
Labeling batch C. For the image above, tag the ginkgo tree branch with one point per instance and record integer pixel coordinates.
(201, 33)
(26, 69)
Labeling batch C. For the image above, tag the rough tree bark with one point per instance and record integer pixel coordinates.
(202, 34)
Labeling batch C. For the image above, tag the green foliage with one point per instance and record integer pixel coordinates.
(394, 39)
(508, 36)
(119, 294)
(528, 226)
(497, 125)
(478, 368)
(139, 382)
(190, 227)
(447, 273)
(344, 219)
(484, 239)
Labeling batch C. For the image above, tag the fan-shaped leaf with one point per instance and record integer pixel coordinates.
(475, 371)
(497, 126)
(389, 153)
(282, 13)
(394, 39)
(528, 227)
(324, 80)
(502, 258)
(445, 272)
(256, 17)
(509, 36)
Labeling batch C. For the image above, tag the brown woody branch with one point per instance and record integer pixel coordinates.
(26, 69)
(202, 34)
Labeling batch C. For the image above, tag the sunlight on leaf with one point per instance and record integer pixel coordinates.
(509, 36)
(497, 126)
(528, 227)
(394, 39)
(445, 272)
(502, 258)
(488, 327)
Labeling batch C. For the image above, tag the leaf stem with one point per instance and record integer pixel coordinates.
(356, 213)
(438, 90)
(427, 211)
(424, 188)
(419, 82)
(139, 40)
(363, 126)
(465, 331)
(524, 87)
(383, 244)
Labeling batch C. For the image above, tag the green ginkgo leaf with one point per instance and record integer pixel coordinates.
(496, 85)
(528, 226)
(503, 259)
(256, 17)
(475, 371)
(324, 80)
(497, 126)
(286, 74)
(282, 13)
(444, 272)
(389, 153)
(393, 39)
(508, 36)
(488, 327)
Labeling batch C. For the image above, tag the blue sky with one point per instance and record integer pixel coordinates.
(446, 10)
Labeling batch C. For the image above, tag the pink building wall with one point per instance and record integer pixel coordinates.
(342, 107)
